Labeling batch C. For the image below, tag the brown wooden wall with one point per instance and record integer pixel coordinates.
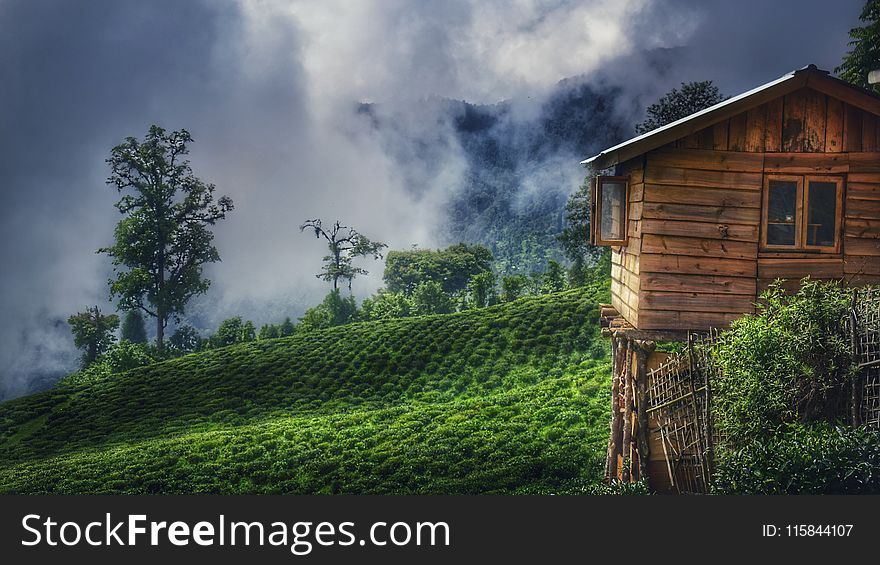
(693, 259)
(803, 121)
(625, 260)
(699, 238)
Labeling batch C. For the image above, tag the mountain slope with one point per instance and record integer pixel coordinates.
(519, 162)
(511, 398)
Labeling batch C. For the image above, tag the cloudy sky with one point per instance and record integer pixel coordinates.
(267, 89)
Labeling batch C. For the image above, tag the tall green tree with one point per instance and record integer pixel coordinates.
(134, 329)
(553, 279)
(513, 286)
(429, 298)
(93, 332)
(677, 104)
(452, 267)
(482, 289)
(864, 55)
(575, 237)
(185, 339)
(164, 238)
(287, 328)
(233, 330)
(345, 245)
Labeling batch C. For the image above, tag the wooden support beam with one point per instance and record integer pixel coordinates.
(648, 335)
(626, 376)
(615, 439)
(642, 407)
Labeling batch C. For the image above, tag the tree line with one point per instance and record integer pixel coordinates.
(164, 239)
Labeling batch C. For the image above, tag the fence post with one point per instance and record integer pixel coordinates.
(855, 396)
(626, 376)
(643, 349)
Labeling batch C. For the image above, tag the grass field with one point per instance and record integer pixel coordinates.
(508, 399)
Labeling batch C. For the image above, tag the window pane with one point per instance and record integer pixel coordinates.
(782, 209)
(612, 195)
(822, 201)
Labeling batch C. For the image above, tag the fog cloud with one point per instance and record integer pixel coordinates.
(269, 90)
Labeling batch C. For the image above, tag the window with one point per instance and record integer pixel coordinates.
(610, 197)
(802, 212)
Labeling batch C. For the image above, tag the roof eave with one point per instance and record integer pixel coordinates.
(807, 76)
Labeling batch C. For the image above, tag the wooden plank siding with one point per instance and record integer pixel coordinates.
(693, 259)
(699, 264)
(625, 259)
(804, 121)
(861, 229)
(699, 232)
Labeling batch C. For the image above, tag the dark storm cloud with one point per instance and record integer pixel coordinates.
(267, 90)
(740, 45)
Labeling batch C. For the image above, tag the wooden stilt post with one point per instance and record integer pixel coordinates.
(611, 460)
(614, 442)
(626, 375)
(643, 349)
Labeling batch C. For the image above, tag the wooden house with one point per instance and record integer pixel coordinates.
(702, 214)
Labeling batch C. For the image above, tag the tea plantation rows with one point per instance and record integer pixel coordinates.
(512, 398)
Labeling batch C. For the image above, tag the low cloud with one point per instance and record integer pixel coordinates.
(270, 92)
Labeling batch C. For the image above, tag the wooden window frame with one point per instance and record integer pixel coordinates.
(802, 214)
(838, 212)
(596, 209)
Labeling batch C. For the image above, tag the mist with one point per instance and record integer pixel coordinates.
(271, 93)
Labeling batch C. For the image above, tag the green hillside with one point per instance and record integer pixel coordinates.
(512, 398)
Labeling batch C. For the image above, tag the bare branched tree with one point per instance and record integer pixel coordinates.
(345, 245)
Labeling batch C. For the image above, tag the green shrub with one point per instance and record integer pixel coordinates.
(789, 362)
(812, 458)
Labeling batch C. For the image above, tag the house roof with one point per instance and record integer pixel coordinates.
(809, 76)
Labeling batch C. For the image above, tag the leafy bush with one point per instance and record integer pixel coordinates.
(335, 310)
(784, 390)
(233, 330)
(428, 298)
(789, 362)
(125, 356)
(804, 459)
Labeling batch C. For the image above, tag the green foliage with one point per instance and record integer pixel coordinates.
(163, 240)
(864, 55)
(287, 328)
(513, 287)
(575, 237)
(134, 329)
(126, 355)
(93, 332)
(184, 340)
(334, 310)
(638, 488)
(554, 278)
(482, 291)
(506, 399)
(812, 458)
(386, 305)
(269, 331)
(118, 358)
(788, 362)
(345, 245)
(429, 298)
(231, 331)
(677, 104)
(452, 267)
